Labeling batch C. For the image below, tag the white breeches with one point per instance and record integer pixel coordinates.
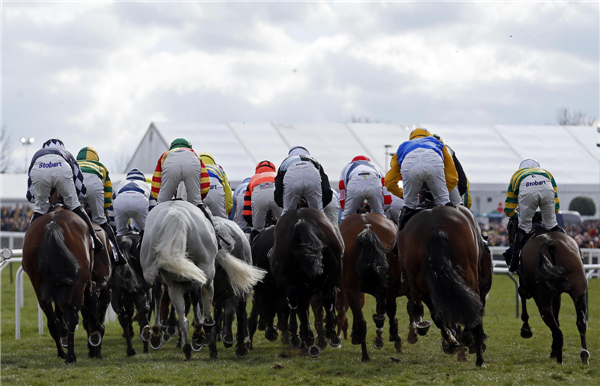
(536, 191)
(302, 179)
(130, 205)
(52, 171)
(423, 166)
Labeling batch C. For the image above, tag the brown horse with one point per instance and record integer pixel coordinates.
(58, 257)
(440, 252)
(370, 267)
(552, 265)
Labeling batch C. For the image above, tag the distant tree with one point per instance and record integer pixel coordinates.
(584, 205)
(566, 117)
(5, 150)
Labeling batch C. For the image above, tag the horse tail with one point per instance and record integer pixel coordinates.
(372, 265)
(171, 249)
(553, 276)
(125, 273)
(451, 296)
(242, 276)
(57, 265)
(307, 246)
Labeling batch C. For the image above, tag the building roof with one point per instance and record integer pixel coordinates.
(488, 153)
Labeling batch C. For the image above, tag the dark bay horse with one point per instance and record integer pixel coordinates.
(370, 267)
(58, 257)
(440, 254)
(131, 292)
(551, 266)
(307, 259)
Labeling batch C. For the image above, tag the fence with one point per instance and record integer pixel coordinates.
(591, 265)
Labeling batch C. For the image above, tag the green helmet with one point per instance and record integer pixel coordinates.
(180, 142)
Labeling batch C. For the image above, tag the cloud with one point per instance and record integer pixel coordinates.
(101, 72)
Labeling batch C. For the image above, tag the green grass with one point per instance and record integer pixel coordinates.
(510, 359)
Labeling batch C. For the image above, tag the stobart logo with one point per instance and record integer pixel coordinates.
(50, 164)
(535, 183)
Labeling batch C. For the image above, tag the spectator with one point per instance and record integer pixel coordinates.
(15, 218)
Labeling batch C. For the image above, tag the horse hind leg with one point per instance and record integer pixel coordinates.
(317, 307)
(176, 294)
(581, 310)
(53, 328)
(208, 322)
(359, 324)
(545, 307)
(72, 317)
(379, 320)
(243, 341)
(393, 321)
(526, 332)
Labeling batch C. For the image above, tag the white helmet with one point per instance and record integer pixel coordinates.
(529, 163)
(297, 150)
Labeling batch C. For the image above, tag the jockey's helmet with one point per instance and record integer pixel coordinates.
(361, 158)
(419, 133)
(135, 175)
(54, 142)
(529, 163)
(208, 159)
(298, 150)
(88, 153)
(180, 142)
(265, 166)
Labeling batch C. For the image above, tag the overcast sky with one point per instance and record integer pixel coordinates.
(96, 74)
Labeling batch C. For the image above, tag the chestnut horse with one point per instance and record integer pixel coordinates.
(58, 257)
(552, 265)
(440, 252)
(370, 267)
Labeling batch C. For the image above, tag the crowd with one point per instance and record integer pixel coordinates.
(15, 218)
(496, 233)
(586, 234)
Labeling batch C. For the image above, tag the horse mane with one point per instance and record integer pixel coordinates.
(307, 247)
(57, 265)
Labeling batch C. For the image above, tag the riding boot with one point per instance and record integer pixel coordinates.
(98, 246)
(141, 238)
(253, 235)
(558, 228)
(209, 217)
(517, 246)
(406, 214)
(119, 259)
(34, 217)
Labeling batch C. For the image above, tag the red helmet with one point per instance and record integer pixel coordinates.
(361, 158)
(265, 166)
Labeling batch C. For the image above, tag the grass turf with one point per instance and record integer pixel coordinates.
(509, 358)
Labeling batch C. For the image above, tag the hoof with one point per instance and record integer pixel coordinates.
(155, 342)
(423, 327)
(196, 346)
(131, 352)
(462, 355)
(145, 333)
(64, 342)
(412, 337)
(295, 342)
(526, 332)
(71, 359)
(314, 351)
(241, 351)
(585, 357)
(271, 334)
(335, 342)
(480, 364)
(398, 346)
(226, 343)
(187, 350)
(171, 330)
(449, 348)
(95, 339)
(378, 343)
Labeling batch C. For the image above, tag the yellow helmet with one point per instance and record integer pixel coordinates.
(419, 133)
(88, 153)
(208, 159)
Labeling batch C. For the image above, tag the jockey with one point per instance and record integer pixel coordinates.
(421, 159)
(260, 197)
(363, 180)
(219, 198)
(130, 201)
(99, 193)
(53, 167)
(457, 194)
(237, 210)
(181, 164)
(531, 187)
(300, 175)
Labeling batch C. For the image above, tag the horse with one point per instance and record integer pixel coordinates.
(180, 244)
(227, 302)
(268, 300)
(98, 296)
(58, 257)
(370, 267)
(440, 252)
(131, 292)
(552, 265)
(307, 259)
